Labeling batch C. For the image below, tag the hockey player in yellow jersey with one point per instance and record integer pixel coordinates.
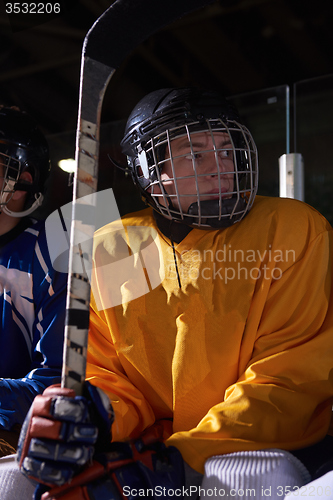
(212, 309)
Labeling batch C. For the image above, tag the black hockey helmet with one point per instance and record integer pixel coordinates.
(23, 147)
(167, 114)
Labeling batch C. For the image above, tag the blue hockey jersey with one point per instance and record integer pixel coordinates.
(32, 309)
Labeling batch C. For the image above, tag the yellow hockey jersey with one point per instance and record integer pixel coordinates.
(227, 338)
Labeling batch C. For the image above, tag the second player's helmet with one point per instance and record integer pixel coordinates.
(211, 132)
(22, 148)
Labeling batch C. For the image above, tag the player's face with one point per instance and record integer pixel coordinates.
(208, 177)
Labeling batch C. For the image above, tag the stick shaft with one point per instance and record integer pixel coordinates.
(94, 81)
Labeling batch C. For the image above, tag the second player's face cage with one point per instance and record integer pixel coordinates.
(204, 174)
(10, 170)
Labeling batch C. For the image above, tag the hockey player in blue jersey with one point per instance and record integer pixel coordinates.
(32, 294)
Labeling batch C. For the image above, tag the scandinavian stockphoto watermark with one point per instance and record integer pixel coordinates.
(136, 264)
(228, 264)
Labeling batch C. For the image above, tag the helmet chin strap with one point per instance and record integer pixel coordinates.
(8, 188)
(37, 203)
(211, 207)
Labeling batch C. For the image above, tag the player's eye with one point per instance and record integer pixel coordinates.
(195, 156)
(225, 153)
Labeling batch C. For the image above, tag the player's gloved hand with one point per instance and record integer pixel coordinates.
(143, 467)
(61, 432)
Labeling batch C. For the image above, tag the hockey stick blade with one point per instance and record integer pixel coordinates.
(122, 27)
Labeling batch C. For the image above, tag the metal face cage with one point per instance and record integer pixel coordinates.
(203, 174)
(10, 170)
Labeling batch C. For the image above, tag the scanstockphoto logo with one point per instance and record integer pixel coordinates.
(134, 271)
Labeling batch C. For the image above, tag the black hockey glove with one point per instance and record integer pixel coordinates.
(62, 432)
(60, 447)
(144, 467)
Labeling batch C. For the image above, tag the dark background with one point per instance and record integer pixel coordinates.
(259, 52)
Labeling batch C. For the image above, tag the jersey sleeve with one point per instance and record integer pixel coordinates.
(49, 296)
(133, 413)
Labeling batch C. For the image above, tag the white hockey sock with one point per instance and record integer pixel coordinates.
(264, 474)
(13, 485)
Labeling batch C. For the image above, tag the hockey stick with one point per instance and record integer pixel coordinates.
(122, 27)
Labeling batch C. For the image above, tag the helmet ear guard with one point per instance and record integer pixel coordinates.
(143, 161)
(171, 114)
(142, 167)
